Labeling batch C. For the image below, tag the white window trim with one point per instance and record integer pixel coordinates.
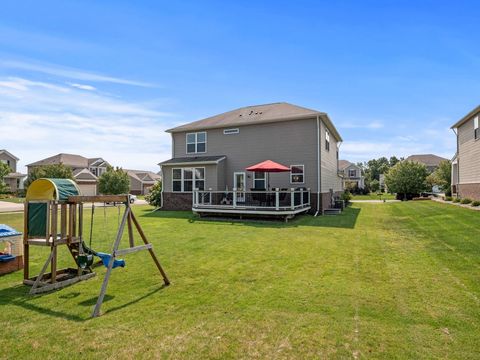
(303, 173)
(196, 142)
(349, 170)
(264, 179)
(182, 178)
(476, 130)
(231, 131)
(327, 140)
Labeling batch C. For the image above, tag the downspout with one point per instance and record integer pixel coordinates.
(458, 163)
(319, 183)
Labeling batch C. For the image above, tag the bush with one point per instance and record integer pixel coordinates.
(346, 196)
(154, 197)
(114, 182)
(465, 201)
(448, 198)
(456, 200)
(476, 203)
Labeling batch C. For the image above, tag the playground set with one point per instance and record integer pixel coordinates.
(54, 213)
(11, 250)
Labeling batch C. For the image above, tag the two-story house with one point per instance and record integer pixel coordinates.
(213, 154)
(85, 171)
(141, 181)
(466, 163)
(14, 179)
(352, 174)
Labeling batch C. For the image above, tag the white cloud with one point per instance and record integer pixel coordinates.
(84, 87)
(70, 73)
(40, 119)
(354, 125)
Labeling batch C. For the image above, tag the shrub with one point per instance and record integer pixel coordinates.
(476, 203)
(114, 182)
(346, 196)
(448, 198)
(465, 201)
(456, 200)
(154, 197)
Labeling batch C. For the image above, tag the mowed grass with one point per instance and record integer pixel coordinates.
(385, 281)
(13, 200)
(374, 196)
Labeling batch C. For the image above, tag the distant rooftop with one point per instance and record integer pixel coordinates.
(426, 159)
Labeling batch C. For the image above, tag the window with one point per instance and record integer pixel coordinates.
(94, 171)
(476, 132)
(259, 180)
(297, 174)
(196, 142)
(230, 131)
(187, 179)
(327, 140)
(352, 173)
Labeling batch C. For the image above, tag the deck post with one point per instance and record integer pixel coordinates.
(277, 199)
(234, 198)
(292, 198)
(308, 190)
(194, 198)
(301, 198)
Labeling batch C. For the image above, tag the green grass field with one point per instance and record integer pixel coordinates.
(373, 196)
(13, 200)
(384, 281)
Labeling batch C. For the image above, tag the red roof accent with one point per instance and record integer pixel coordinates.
(268, 166)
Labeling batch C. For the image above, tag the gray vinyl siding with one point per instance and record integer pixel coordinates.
(468, 154)
(329, 171)
(288, 143)
(13, 162)
(211, 176)
(135, 184)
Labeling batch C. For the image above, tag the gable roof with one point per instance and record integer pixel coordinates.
(143, 175)
(426, 159)
(466, 118)
(73, 160)
(343, 164)
(257, 114)
(3, 151)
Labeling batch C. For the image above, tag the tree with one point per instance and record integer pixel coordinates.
(406, 177)
(114, 182)
(53, 171)
(4, 171)
(442, 176)
(374, 185)
(394, 161)
(154, 197)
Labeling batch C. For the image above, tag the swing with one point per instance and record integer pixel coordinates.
(86, 257)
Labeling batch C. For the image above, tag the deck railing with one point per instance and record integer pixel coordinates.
(274, 200)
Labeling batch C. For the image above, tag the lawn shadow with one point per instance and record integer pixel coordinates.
(18, 295)
(347, 219)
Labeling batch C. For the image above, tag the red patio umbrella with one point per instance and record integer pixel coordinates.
(268, 166)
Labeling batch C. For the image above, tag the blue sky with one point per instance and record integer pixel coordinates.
(106, 78)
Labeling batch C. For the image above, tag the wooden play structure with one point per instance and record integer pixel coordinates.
(11, 250)
(54, 211)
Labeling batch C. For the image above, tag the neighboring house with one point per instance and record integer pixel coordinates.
(14, 180)
(213, 153)
(85, 171)
(141, 181)
(352, 174)
(466, 163)
(429, 160)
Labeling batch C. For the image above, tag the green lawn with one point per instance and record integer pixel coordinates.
(374, 196)
(385, 281)
(14, 200)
